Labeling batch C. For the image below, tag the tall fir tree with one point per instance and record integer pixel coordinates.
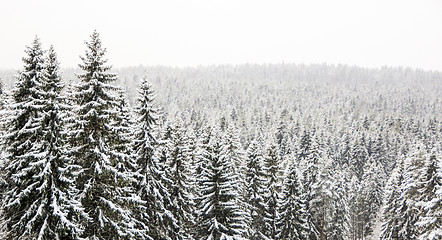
(181, 204)
(219, 215)
(273, 188)
(253, 192)
(22, 132)
(310, 159)
(339, 222)
(291, 218)
(157, 219)
(105, 188)
(430, 199)
(45, 194)
(408, 212)
(232, 153)
(321, 198)
(371, 194)
(392, 198)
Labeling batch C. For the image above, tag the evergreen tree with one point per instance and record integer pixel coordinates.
(4, 113)
(178, 159)
(321, 198)
(201, 157)
(157, 219)
(344, 151)
(354, 206)
(253, 192)
(106, 192)
(232, 153)
(44, 191)
(430, 199)
(359, 156)
(390, 216)
(338, 224)
(310, 163)
(304, 146)
(272, 190)
(233, 149)
(219, 216)
(379, 153)
(22, 132)
(291, 218)
(407, 209)
(371, 193)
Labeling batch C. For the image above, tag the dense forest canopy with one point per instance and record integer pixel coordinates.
(252, 151)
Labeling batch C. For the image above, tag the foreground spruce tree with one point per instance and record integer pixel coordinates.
(291, 219)
(106, 192)
(310, 161)
(273, 188)
(41, 194)
(408, 212)
(430, 199)
(23, 131)
(392, 199)
(219, 216)
(157, 220)
(254, 188)
(178, 155)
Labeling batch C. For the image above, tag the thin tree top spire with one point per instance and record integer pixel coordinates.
(31, 75)
(34, 51)
(95, 80)
(53, 78)
(94, 60)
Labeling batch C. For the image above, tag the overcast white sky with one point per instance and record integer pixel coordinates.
(185, 33)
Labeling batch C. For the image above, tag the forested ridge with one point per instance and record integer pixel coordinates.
(252, 151)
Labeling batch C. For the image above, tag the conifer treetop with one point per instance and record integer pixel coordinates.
(94, 63)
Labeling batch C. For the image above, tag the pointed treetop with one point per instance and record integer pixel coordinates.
(93, 60)
(52, 72)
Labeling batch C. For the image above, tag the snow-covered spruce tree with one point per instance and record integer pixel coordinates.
(407, 209)
(4, 97)
(344, 151)
(291, 222)
(44, 192)
(310, 158)
(304, 146)
(282, 136)
(232, 153)
(379, 153)
(178, 155)
(359, 156)
(338, 224)
(200, 161)
(253, 192)
(219, 216)
(122, 123)
(233, 149)
(430, 199)
(390, 216)
(157, 219)
(272, 189)
(321, 198)
(22, 132)
(105, 188)
(371, 192)
(354, 206)
(20, 112)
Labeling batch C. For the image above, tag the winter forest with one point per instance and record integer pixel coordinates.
(221, 152)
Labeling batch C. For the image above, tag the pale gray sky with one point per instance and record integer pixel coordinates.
(191, 32)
